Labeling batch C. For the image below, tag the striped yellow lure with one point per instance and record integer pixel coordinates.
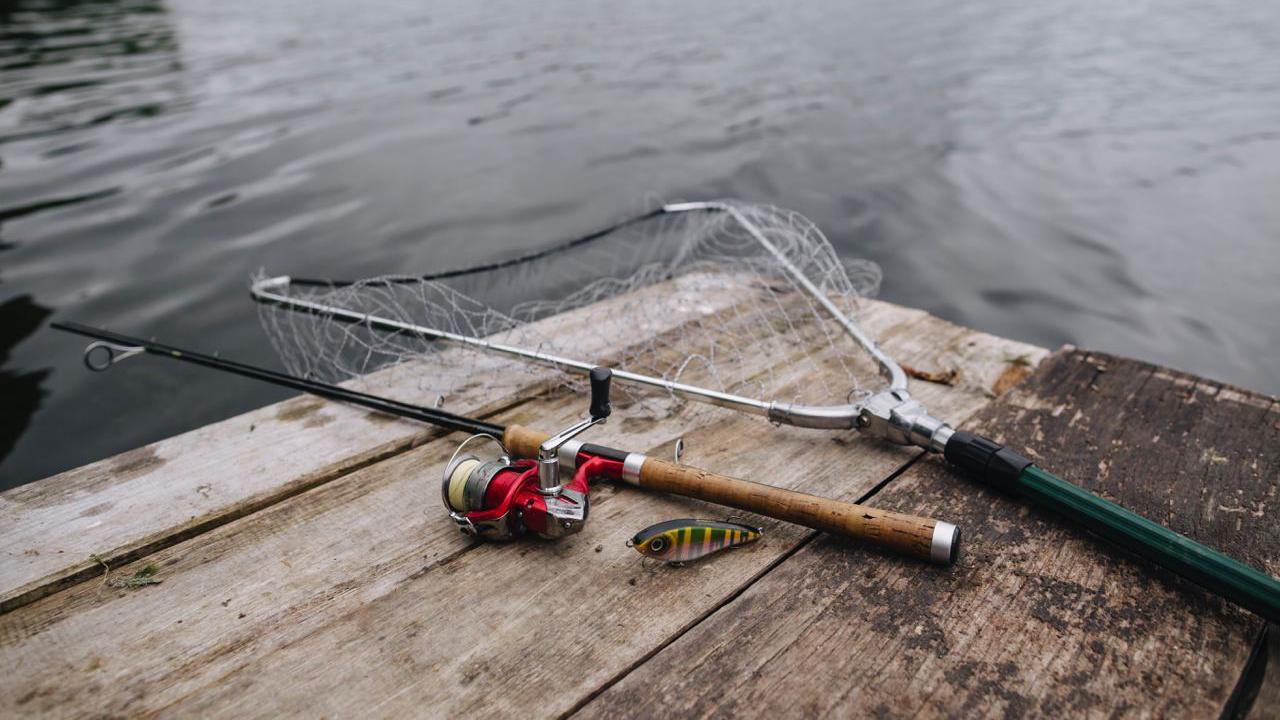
(687, 539)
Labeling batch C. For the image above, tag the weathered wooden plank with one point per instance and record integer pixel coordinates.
(359, 592)
(130, 505)
(1266, 702)
(385, 520)
(1039, 617)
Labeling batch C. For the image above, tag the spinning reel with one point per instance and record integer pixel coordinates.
(493, 497)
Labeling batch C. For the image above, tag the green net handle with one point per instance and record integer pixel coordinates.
(997, 465)
(1204, 566)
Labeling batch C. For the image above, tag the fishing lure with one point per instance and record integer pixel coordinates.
(687, 539)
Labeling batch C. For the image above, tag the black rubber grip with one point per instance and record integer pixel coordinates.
(603, 451)
(600, 377)
(986, 460)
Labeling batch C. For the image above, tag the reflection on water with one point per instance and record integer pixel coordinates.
(19, 318)
(61, 58)
(1058, 171)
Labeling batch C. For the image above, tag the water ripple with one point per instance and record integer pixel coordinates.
(1065, 170)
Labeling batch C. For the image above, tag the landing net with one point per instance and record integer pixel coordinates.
(721, 297)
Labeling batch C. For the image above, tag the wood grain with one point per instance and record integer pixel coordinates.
(1266, 699)
(1038, 618)
(559, 616)
(358, 597)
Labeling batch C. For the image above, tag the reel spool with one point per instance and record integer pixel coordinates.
(467, 476)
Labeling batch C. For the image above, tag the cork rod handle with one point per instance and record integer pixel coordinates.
(918, 537)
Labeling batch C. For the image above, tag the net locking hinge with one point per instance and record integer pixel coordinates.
(894, 416)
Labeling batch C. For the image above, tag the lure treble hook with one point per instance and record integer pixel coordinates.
(111, 353)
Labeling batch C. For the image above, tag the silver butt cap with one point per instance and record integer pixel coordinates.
(946, 544)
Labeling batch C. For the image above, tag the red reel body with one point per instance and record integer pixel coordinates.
(512, 502)
(499, 499)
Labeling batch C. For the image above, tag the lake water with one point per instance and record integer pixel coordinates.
(1074, 171)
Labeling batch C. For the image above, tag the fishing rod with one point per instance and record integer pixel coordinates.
(788, 250)
(519, 489)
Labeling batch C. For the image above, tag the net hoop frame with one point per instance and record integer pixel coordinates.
(275, 291)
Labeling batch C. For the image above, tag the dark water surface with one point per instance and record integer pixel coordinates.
(1086, 171)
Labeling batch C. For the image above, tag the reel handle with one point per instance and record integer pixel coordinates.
(918, 537)
(600, 380)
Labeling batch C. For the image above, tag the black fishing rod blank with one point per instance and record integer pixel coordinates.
(112, 347)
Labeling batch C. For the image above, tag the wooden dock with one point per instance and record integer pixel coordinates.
(305, 565)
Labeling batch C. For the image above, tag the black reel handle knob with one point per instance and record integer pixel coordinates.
(600, 379)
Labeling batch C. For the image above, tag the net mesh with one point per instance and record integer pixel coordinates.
(690, 296)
